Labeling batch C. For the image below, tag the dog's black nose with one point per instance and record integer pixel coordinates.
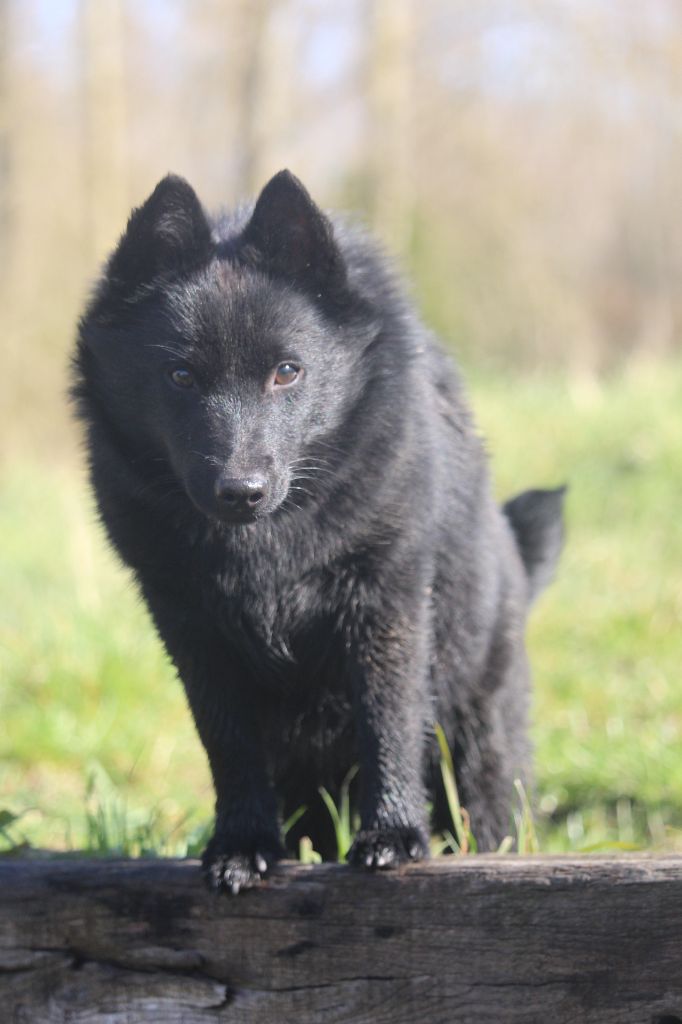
(239, 496)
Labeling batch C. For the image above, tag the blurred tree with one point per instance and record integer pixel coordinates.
(250, 94)
(390, 88)
(228, 94)
(105, 123)
(4, 135)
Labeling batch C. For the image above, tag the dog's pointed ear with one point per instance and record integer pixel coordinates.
(166, 236)
(290, 237)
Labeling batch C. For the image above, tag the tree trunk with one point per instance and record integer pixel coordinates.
(478, 939)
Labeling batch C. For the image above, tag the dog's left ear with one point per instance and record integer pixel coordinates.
(290, 237)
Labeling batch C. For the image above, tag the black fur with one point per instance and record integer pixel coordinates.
(537, 522)
(375, 589)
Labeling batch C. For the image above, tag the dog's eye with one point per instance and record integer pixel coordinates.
(182, 377)
(286, 373)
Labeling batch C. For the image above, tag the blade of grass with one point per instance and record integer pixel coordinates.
(293, 818)
(462, 833)
(341, 815)
(306, 853)
(527, 840)
(505, 846)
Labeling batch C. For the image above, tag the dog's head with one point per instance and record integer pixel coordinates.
(227, 357)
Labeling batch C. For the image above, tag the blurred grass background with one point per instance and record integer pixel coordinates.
(523, 162)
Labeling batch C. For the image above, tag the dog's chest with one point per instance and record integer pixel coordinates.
(275, 615)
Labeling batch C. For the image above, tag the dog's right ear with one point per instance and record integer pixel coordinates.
(167, 236)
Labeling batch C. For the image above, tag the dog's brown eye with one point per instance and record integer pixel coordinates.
(182, 377)
(286, 373)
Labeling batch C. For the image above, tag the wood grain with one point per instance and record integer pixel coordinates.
(478, 939)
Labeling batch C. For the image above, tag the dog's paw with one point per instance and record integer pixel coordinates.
(382, 849)
(227, 871)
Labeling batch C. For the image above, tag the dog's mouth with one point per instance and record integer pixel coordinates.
(241, 518)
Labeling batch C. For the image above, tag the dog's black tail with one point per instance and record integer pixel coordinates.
(536, 517)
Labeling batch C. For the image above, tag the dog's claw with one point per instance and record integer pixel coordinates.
(382, 849)
(230, 872)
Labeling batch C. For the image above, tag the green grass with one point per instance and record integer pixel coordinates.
(86, 692)
(605, 640)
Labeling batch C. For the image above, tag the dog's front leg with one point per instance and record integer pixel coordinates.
(246, 841)
(389, 663)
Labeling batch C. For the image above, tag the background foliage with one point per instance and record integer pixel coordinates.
(523, 162)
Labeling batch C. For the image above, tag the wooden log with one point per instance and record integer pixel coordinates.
(478, 939)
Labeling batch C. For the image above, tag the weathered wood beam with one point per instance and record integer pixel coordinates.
(478, 939)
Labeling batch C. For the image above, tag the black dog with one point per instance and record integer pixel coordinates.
(284, 456)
